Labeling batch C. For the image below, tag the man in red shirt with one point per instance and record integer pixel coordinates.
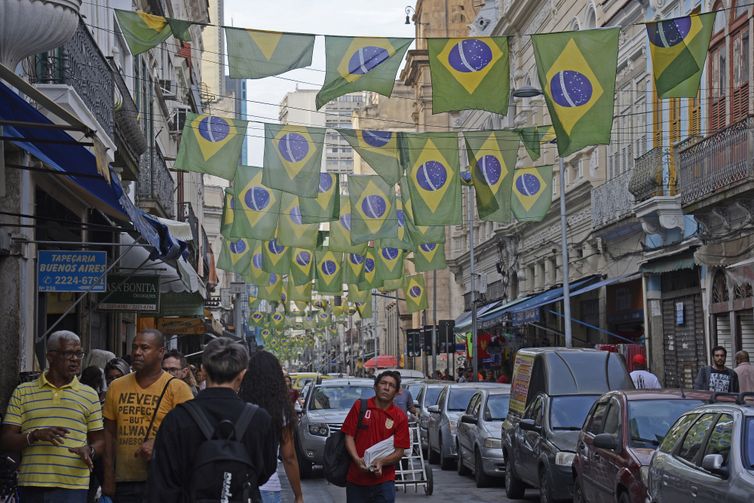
(382, 419)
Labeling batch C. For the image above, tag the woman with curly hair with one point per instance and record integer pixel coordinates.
(265, 386)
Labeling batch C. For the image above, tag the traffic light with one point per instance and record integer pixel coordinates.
(414, 342)
(446, 336)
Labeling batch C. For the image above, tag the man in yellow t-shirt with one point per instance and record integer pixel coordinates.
(131, 421)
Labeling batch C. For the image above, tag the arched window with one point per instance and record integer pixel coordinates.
(719, 287)
(591, 18)
(739, 58)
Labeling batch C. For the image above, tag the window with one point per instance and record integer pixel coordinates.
(612, 419)
(740, 77)
(719, 439)
(598, 418)
(473, 407)
(676, 432)
(694, 440)
(718, 74)
(535, 411)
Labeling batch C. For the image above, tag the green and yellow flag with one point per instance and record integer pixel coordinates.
(277, 320)
(415, 293)
(372, 209)
(275, 257)
(329, 271)
(492, 156)
(433, 173)
(369, 276)
(679, 47)
(533, 137)
(469, 73)
(256, 207)
(291, 229)
(254, 54)
(389, 263)
(577, 74)
(403, 239)
(301, 267)
(142, 31)
(429, 257)
(418, 233)
(391, 285)
(531, 193)
(380, 149)
(258, 318)
(340, 231)
(211, 145)
(326, 206)
(354, 267)
(235, 256)
(228, 216)
(299, 293)
(256, 274)
(292, 158)
(361, 64)
(365, 308)
(272, 289)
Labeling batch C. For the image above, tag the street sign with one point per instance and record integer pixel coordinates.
(134, 293)
(71, 271)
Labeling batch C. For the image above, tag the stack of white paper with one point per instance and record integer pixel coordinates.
(379, 450)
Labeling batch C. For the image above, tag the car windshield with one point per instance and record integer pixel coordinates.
(497, 407)
(749, 443)
(338, 397)
(414, 389)
(431, 395)
(458, 399)
(650, 420)
(569, 412)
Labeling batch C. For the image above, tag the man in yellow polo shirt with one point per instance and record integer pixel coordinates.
(55, 422)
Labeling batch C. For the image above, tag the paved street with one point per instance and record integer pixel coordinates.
(449, 488)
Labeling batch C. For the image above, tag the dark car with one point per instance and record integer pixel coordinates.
(706, 457)
(552, 391)
(618, 438)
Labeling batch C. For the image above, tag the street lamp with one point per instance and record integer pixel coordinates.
(409, 9)
(530, 92)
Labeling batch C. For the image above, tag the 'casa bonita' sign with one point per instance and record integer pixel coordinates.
(137, 293)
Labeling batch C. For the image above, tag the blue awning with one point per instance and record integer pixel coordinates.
(464, 321)
(491, 316)
(527, 311)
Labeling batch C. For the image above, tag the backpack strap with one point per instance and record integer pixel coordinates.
(200, 418)
(364, 405)
(157, 408)
(244, 419)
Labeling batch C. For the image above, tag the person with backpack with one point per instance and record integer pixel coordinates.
(380, 421)
(216, 447)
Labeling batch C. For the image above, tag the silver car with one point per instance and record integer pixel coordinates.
(326, 407)
(478, 442)
(427, 396)
(444, 417)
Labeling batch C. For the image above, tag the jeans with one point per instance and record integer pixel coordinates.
(270, 496)
(380, 493)
(130, 492)
(51, 495)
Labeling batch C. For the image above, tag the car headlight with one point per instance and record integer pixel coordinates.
(564, 458)
(319, 429)
(644, 472)
(493, 443)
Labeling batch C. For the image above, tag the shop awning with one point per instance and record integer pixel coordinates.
(464, 321)
(495, 314)
(176, 276)
(525, 310)
(669, 264)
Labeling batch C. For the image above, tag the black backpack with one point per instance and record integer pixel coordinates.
(336, 457)
(223, 471)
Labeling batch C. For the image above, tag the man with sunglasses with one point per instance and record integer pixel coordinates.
(55, 422)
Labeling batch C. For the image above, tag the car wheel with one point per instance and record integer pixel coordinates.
(514, 487)
(461, 468)
(545, 491)
(445, 463)
(481, 478)
(578, 492)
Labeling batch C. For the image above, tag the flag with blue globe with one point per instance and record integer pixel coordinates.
(211, 144)
(531, 193)
(415, 293)
(372, 209)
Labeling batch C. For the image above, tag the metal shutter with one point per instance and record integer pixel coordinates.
(746, 319)
(724, 339)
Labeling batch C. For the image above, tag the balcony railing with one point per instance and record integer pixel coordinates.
(80, 64)
(650, 176)
(612, 201)
(155, 188)
(130, 138)
(717, 162)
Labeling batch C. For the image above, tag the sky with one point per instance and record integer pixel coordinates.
(324, 17)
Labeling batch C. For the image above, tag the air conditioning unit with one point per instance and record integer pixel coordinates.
(168, 89)
(178, 119)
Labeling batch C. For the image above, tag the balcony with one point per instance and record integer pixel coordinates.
(715, 168)
(129, 137)
(611, 201)
(650, 177)
(155, 188)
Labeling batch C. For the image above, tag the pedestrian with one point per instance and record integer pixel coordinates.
(381, 420)
(175, 364)
(55, 423)
(171, 473)
(642, 378)
(404, 401)
(92, 376)
(135, 406)
(744, 371)
(116, 368)
(292, 393)
(265, 386)
(461, 375)
(717, 377)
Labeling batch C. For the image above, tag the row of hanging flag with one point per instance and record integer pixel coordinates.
(576, 69)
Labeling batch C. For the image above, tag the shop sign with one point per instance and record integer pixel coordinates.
(181, 326)
(520, 387)
(134, 293)
(71, 271)
(526, 317)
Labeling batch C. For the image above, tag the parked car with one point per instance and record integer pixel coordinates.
(707, 456)
(325, 409)
(443, 420)
(300, 379)
(428, 394)
(553, 389)
(618, 438)
(478, 442)
(406, 374)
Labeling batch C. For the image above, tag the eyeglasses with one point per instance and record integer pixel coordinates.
(172, 370)
(69, 355)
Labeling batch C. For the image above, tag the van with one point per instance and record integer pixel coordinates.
(552, 391)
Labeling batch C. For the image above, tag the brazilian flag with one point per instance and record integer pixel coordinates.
(292, 158)
(228, 216)
(380, 149)
(142, 31)
(433, 173)
(299, 293)
(577, 74)
(275, 257)
(272, 289)
(533, 137)
(326, 206)
(372, 209)
(277, 320)
(492, 155)
(329, 271)
(419, 234)
(370, 277)
(531, 194)
(469, 73)
(403, 239)
(354, 267)
(679, 47)
(389, 263)
(301, 267)
(256, 275)
(256, 207)
(235, 256)
(211, 145)
(291, 229)
(340, 231)
(255, 54)
(361, 64)
(391, 285)
(415, 293)
(258, 318)
(429, 257)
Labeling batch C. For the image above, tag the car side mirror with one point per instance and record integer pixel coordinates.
(468, 419)
(529, 425)
(433, 409)
(606, 441)
(713, 463)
